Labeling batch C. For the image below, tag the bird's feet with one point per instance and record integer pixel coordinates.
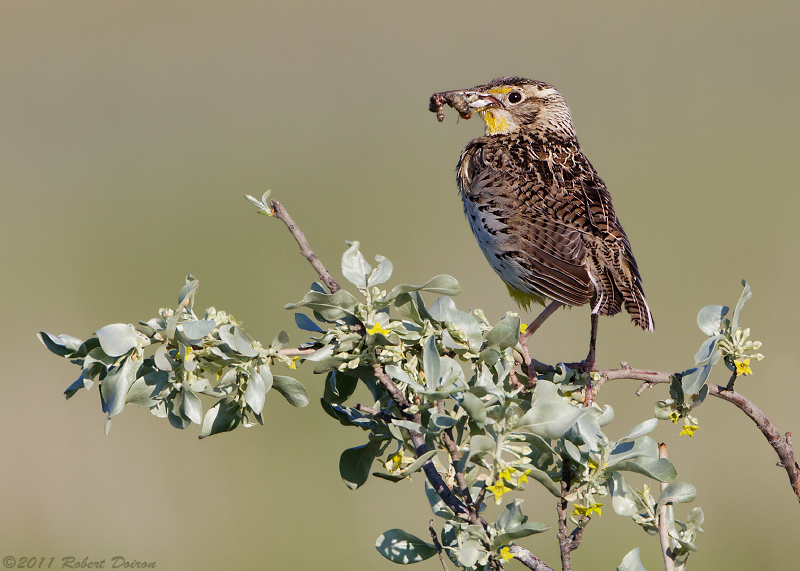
(584, 366)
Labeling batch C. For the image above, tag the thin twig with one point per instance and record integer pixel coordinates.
(420, 448)
(528, 559)
(779, 443)
(294, 352)
(455, 456)
(564, 539)
(281, 214)
(732, 381)
(437, 545)
(663, 532)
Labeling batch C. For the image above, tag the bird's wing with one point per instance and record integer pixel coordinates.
(533, 251)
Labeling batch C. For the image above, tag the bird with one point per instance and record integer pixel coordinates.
(540, 212)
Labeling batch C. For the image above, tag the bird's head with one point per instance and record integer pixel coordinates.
(509, 104)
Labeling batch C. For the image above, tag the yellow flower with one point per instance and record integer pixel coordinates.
(689, 429)
(293, 363)
(743, 367)
(396, 461)
(498, 490)
(587, 511)
(378, 328)
(506, 554)
(505, 474)
(674, 416)
(524, 476)
(522, 328)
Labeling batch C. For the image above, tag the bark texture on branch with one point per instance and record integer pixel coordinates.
(780, 443)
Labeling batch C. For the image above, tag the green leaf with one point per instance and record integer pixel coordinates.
(329, 306)
(61, 345)
(186, 295)
(339, 387)
(400, 547)
(677, 493)
(624, 499)
(266, 377)
(659, 469)
(141, 392)
(694, 379)
(117, 339)
(380, 274)
(442, 285)
(706, 350)
(306, 324)
(355, 267)
(431, 363)
(418, 463)
(114, 388)
(505, 334)
(438, 507)
(355, 463)
(746, 295)
(549, 416)
(222, 417)
(469, 554)
(510, 516)
(644, 446)
(256, 391)
(480, 444)
(631, 562)
(709, 320)
(695, 519)
(162, 359)
(640, 430)
(81, 383)
(193, 330)
(439, 422)
(294, 392)
(244, 344)
(474, 408)
(523, 530)
(191, 407)
(544, 479)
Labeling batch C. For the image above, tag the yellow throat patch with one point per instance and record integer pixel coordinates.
(495, 125)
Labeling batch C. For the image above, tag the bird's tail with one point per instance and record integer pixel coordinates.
(618, 286)
(636, 305)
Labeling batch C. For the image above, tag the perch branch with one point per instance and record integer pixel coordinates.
(781, 444)
(281, 214)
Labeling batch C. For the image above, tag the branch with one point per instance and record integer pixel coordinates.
(663, 532)
(455, 456)
(420, 447)
(280, 213)
(528, 559)
(437, 545)
(294, 352)
(781, 444)
(567, 542)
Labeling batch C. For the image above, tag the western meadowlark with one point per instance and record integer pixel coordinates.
(540, 212)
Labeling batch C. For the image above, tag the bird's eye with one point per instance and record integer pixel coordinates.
(514, 97)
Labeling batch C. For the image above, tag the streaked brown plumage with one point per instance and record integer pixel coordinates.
(540, 212)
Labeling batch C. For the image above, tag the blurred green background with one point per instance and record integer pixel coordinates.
(131, 130)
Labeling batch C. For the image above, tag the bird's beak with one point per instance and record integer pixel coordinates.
(477, 100)
(466, 102)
